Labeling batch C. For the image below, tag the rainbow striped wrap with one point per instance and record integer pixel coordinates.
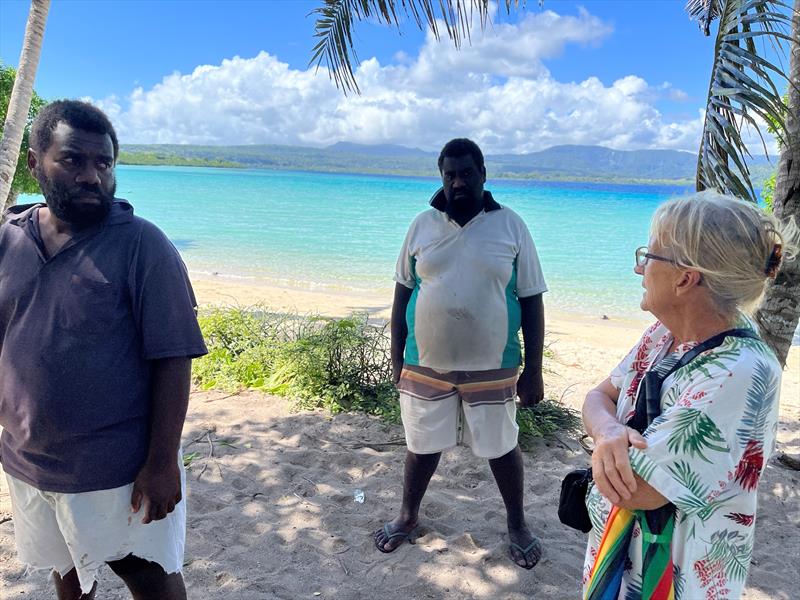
(605, 578)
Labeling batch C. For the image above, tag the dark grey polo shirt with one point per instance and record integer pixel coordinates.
(78, 332)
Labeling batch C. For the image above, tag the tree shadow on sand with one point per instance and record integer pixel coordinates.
(272, 514)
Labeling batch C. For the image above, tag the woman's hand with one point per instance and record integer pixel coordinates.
(611, 465)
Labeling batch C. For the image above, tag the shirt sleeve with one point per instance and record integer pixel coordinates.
(530, 279)
(711, 445)
(405, 273)
(164, 304)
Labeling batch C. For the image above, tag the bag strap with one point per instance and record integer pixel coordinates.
(648, 400)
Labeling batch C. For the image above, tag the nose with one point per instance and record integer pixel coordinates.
(89, 175)
(639, 270)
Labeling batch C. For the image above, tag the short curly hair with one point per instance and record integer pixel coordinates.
(75, 113)
(462, 147)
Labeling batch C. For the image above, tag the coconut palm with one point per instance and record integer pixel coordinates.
(19, 105)
(743, 92)
(23, 182)
(778, 314)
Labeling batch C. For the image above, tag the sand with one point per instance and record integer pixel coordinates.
(271, 491)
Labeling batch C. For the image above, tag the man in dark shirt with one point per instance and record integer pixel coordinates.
(97, 333)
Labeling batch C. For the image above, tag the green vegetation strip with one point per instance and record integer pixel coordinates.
(158, 159)
(342, 365)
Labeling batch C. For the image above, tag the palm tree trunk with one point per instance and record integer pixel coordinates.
(20, 102)
(779, 312)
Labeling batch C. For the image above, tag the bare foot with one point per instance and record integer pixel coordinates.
(393, 533)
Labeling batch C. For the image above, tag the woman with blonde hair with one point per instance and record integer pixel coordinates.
(673, 510)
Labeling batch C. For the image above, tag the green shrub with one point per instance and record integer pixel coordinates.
(336, 364)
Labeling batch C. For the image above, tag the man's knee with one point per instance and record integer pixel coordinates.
(68, 587)
(147, 579)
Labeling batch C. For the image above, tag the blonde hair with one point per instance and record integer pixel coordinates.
(735, 245)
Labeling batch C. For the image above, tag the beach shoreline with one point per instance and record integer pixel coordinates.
(213, 289)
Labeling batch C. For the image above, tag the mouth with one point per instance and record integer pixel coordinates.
(87, 198)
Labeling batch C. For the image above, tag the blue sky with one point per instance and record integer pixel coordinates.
(624, 74)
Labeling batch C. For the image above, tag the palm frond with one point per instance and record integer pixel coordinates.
(742, 89)
(335, 20)
(704, 12)
(693, 433)
(733, 549)
(760, 401)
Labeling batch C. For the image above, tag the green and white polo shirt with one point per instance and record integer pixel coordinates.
(464, 313)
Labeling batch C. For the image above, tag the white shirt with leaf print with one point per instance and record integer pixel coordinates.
(705, 454)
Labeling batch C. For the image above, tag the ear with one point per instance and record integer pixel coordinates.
(32, 162)
(483, 173)
(688, 281)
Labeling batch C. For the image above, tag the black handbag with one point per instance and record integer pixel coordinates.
(572, 509)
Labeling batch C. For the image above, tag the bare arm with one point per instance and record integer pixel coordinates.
(530, 387)
(399, 328)
(611, 466)
(157, 486)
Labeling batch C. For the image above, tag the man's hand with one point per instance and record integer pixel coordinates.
(530, 388)
(611, 465)
(157, 490)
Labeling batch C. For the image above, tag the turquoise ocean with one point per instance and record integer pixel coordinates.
(341, 232)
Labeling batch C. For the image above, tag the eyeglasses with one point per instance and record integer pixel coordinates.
(642, 256)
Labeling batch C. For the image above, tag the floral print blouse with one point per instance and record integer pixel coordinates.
(706, 453)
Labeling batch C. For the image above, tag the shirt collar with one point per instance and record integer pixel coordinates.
(438, 201)
(121, 212)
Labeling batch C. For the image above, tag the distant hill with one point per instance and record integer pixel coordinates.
(563, 163)
(378, 149)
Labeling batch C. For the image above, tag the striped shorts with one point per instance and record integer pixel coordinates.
(473, 408)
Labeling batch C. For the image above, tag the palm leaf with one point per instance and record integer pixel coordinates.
(758, 404)
(695, 432)
(335, 19)
(641, 464)
(704, 11)
(733, 549)
(742, 87)
(633, 590)
(684, 474)
(694, 503)
(678, 580)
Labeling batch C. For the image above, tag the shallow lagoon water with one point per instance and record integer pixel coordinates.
(343, 232)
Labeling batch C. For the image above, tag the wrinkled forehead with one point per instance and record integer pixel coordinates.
(67, 138)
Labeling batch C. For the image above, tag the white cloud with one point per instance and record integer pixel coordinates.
(496, 90)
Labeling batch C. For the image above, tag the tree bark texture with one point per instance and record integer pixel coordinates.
(20, 101)
(779, 312)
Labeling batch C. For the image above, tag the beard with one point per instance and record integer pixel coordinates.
(465, 205)
(66, 204)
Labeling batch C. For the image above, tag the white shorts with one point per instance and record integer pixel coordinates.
(59, 532)
(473, 408)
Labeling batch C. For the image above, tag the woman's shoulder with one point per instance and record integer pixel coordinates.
(748, 354)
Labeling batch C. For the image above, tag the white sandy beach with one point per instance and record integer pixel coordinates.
(271, 508)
